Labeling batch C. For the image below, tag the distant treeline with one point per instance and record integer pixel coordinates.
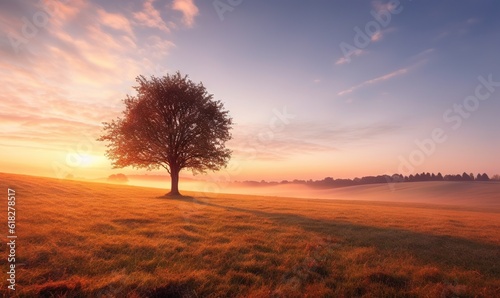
(329, 182)
(118, 178)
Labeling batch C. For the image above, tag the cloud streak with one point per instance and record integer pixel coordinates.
(188, 10)
(150, 17)
(420, 58)
(382, 78)
(115, 21)
(344, 59)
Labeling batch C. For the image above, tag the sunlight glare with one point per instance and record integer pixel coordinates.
(86, 160)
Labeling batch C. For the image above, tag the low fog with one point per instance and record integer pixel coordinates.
(479, 194)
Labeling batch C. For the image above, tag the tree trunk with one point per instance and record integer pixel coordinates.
(174, 177)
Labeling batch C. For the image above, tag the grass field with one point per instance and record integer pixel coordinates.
(80, 239)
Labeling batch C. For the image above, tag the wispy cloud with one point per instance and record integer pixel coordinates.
(418, 60)
(379, 35)
(344, 59)
(150, 17)
(376, 37)
(63, 12)
(382, 78)
(115, 21)
(188, 10)
(458, 29)
(423, 56)
(41, 131)
(156, 47)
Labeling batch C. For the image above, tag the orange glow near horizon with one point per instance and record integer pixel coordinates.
(92, 164)
(300, 112)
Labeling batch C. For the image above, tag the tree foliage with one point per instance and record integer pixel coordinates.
(171, 123)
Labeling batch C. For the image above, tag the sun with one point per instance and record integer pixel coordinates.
(86, 160)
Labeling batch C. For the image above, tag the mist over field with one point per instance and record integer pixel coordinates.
(478, 194)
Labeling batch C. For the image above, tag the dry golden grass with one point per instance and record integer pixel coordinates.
(79, 239)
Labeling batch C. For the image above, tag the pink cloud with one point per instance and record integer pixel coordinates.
(188, 9)
(377, 36)
(150, 17)
(62, 12)
(115, 21)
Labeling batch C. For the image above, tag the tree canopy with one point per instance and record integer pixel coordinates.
(171, 123)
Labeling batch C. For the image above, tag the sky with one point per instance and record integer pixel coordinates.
(316, 89)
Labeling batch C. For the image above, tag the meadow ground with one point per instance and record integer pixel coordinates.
(80, 239)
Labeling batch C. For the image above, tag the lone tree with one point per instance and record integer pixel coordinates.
(171, 123)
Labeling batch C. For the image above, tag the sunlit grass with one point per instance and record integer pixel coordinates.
(85, 239)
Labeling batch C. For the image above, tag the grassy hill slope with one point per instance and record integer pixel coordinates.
(88, 239)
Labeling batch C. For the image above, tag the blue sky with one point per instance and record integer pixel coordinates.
(301, 108)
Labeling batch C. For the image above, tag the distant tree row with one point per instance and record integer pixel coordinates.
(329, 182)
(439, 177)
(118, 178)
